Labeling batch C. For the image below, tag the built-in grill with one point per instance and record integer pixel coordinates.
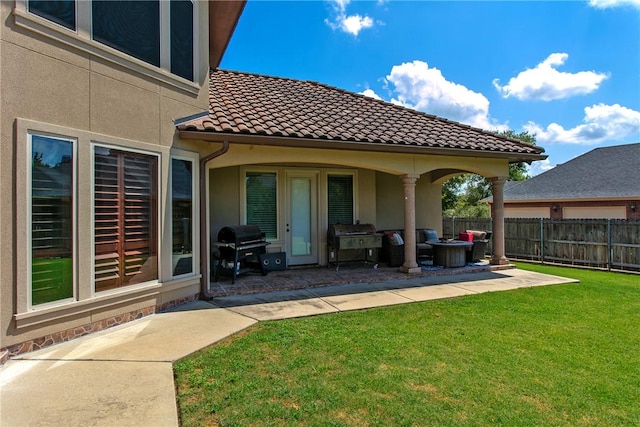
(352, 236)
(240, 247)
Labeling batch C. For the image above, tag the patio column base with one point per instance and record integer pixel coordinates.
(410, 270)
(499, 260)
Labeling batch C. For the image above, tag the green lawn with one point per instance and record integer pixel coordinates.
(565, 355)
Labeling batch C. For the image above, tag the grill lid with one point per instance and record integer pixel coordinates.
(241, 235)
(337, 230)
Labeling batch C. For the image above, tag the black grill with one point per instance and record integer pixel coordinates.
(240, 247)
(352, 236)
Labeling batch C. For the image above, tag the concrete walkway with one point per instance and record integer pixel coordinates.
(123, 376)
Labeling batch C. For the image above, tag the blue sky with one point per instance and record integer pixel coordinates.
(567, 71)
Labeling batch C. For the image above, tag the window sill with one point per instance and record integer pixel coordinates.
(74, 308)
(70, 38)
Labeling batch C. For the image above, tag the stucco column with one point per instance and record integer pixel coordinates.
(498, 257)
(409, 185)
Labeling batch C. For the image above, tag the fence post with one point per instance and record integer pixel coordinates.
(609, 246)
(542, 240)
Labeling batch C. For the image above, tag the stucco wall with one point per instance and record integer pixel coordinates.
(48, 85)
(390, 207)
(225, 202)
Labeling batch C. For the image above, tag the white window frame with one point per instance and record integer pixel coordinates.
(74, 218)
(82, 39)
(195, 211)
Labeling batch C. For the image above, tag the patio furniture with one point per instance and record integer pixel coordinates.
(450, 253)
(393, 253)
(480, 242)
(392, 249)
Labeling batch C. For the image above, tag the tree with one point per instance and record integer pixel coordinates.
(461, 194)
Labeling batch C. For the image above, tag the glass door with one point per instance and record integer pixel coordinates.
(301, 222)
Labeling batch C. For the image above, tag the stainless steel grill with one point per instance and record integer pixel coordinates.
(240, 247)
(353, 236)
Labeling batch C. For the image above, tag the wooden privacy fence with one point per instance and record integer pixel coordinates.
(599, 243)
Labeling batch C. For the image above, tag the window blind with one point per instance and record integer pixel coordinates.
(261, 202)
(340, 199)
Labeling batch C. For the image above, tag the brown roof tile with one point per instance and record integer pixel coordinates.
(254, 104)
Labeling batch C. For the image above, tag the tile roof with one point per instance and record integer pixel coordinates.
(260, 105)
(605, 172)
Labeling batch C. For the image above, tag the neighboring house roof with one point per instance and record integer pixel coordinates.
(253, 105)
(602, 173)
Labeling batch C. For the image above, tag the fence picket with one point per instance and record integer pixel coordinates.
(598, 243)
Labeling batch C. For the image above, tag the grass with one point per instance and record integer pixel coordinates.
(555, 355)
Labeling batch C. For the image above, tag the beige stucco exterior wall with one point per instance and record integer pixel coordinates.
(389, 209)
(53, 86)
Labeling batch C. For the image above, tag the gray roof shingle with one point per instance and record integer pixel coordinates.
(606, 172)
(259, 105)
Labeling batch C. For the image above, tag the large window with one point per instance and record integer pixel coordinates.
(132, 27)
(126, 218)
(62, 12)
(261, 202)
(340, 199)
(182, 215)
(52, 199)
(182, 38)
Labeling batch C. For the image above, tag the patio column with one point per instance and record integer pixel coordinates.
(409, 184)
(497, 213)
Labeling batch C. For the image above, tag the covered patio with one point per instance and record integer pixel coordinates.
(268, 140)
(352, 273)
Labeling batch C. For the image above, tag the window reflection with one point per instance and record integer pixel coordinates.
(182, 208)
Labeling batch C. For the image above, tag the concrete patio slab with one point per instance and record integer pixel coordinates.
(262, 298)
(164, 337)
(427, 293)
(514, 279)
(365, 300)
(285, 309)
(87, 393)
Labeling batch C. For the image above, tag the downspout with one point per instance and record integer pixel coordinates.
(204, 279)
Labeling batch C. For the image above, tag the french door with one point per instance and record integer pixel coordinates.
(302, 218)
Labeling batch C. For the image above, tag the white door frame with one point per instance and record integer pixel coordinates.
(313, 249)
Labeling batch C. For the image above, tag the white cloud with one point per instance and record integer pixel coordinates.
(351, 24)
(420, 87)
(539, 166)
(355, 23)
(545, 82)
(371, 94)
(604, 4)
(602, 123)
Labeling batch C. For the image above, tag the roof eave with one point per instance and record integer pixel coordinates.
(326, 144)
(566, 200)
(223, 18)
